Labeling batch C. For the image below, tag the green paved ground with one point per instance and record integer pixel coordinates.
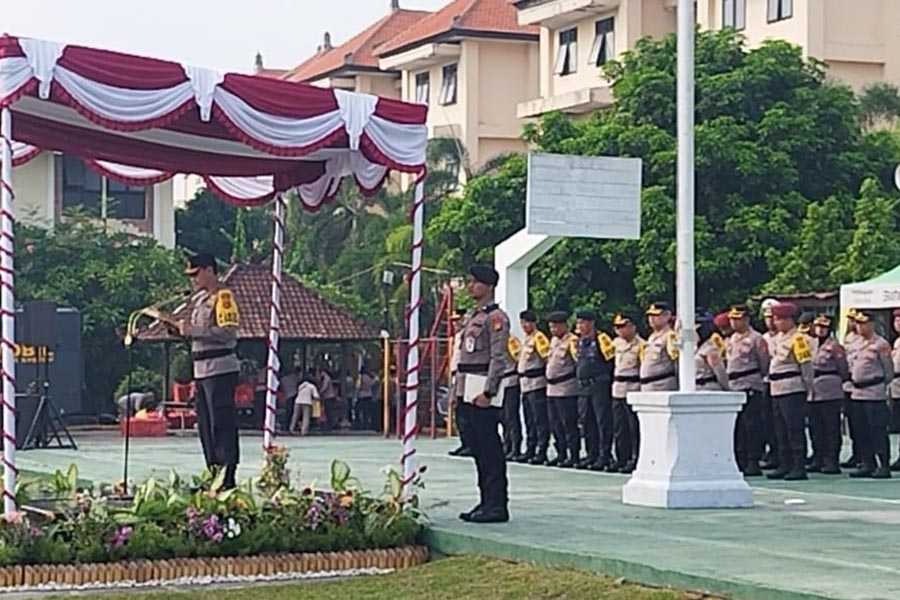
(840, 543)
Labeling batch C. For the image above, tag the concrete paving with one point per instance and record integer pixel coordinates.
(830, 537)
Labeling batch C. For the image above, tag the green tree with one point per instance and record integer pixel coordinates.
(209, 224)
(875, 247)
(105, 276)
(879, 104)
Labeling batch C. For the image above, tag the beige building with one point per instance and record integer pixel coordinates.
(353, 66)
(51, 184)
(577, 38)
(859, 41)
(472, 64)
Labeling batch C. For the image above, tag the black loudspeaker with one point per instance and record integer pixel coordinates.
(38, 324)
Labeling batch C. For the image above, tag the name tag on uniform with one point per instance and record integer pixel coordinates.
(475, 385)
(470, 345)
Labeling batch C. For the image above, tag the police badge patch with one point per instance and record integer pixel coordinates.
(470, 344)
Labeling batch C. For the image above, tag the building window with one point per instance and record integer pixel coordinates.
(448, 87)
(604, 42)
(98, 196)
(780, 10)
(423, 88)
(567, 55)
(734, 14)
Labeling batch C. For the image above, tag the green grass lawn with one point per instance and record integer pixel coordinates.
(450, 578)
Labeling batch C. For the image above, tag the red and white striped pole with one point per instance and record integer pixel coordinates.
(273, 367)
(410, 421)
(7, 314)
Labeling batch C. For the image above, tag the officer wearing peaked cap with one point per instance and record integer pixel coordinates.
(659, 361)
(830, 370)
(485, 362)
(595, 362)
(533, 382)
(626, 378)
(562, 391)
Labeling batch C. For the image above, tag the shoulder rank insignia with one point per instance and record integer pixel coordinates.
(497, 321)
(513, 346)
(226, 309)
(672, 345)
(607, 348)
(573, 346)
(541, 344)
(718, 342)
(800, 347)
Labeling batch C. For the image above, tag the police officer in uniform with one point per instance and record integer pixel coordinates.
(659, 362)
(830, 370)
(595, 363)
(485, 357)
(770, 440)
(851, 344)
(512, 404)
(562, 391)
(626, 378)
(747, 358)
(790, 384)
(710, 356)
(457, 387)
(871, 372)
(533, 383)
(213, 329)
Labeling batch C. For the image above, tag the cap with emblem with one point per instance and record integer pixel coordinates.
(822, 320)
(558, 316)
(658, 308)
(863, 316)
(621, 320)
(585, 314)
(528, 315)
(767, 306)
(484, 274)
(200, 261)
(784, 310)
(738, 311)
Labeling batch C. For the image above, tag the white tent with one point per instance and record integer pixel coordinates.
(881, 292)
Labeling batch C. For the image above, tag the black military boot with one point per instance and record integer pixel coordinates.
(852, 462)
(527, 457)
(865, 470)
(798, 468)
(895, 466)
(884, 470)
(539, 458)
(779, 473)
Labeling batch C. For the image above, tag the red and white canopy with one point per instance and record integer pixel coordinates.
(141, 120)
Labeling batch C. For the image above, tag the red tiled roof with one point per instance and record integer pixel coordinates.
(305, 315)
(484, 16)
(358, 51)
(271, 73)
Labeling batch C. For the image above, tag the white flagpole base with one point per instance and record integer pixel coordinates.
(687, 451)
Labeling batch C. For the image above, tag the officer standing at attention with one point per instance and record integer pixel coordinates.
(659, 361)
(531, 367)
(512, 403)
(747, 363)
(770, 440)
(790, 383)
(562, 391)
(485, 355)
(457, 386)
(895, 384)
(626, 378)
(213, 329)
(851, 345)
(595, 358)
(871, 372)
(710, 356)
(830, 370)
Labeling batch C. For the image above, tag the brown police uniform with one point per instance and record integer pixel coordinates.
(871, 372)
(747, 365)
(830, 370)
(533, 383)
(626, 378)
(790, 384)
(562, 399)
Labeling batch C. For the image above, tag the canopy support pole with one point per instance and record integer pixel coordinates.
(7, 313)
(410, 420)
(273, 367)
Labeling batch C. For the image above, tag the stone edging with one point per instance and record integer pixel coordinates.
(162, 570)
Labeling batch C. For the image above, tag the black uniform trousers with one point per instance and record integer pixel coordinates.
(769, 440)
(512, 421)
(625, 432)
(537, 422)
(873, 419)
(790, 421)
(490, 463)
(748, 430)
(463, 414)
(563, 413)
(853, 420)
(595, 414)
(217, 424)
(825, 431)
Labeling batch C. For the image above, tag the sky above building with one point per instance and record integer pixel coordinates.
(221, 34)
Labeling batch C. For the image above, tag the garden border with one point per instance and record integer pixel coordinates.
(162, 570)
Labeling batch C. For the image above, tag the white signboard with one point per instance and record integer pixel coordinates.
(584, 196)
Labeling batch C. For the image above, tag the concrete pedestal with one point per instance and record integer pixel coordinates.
(687, 451)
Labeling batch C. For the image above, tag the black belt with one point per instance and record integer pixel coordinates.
(561, 378)
(509, 374)
(627, 378)
(787, 375)
(818, 373)
(210, 354)
(475, 369)
(705, 380)
(740, 374)
(533, 373)
(655, 378)
(867, 383)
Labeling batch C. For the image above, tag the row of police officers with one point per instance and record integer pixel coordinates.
(572, 388)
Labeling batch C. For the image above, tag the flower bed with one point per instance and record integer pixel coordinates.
(176, 522)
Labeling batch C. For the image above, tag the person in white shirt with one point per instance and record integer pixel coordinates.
(307, 393)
